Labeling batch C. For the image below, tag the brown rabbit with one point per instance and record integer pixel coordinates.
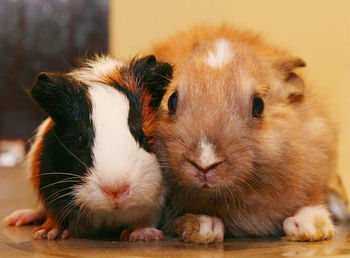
(246, 148)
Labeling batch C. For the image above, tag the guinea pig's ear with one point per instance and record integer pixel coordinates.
(293, 83)
(154, 76)
(56, 94)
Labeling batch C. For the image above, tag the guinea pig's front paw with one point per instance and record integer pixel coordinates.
(200, 229)
(50, 230)
(50, 234)
(311, 223)
(24, 217)
(145, 234)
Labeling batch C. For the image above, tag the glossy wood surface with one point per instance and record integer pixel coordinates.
(15, 193)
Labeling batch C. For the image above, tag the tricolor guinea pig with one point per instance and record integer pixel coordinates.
(247, 148)
(92, 161)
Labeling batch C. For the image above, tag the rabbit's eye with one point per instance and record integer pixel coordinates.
(172, 103)
(258, 106)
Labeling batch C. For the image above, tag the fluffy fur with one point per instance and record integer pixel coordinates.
(309, 223)
(221, 55)
(269, 167)
(92, 161)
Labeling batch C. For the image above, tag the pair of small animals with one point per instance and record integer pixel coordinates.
(230, 144)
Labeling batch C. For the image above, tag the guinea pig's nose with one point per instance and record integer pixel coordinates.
(116, 193)
(205, 169)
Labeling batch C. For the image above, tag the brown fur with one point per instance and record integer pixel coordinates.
(271, 166)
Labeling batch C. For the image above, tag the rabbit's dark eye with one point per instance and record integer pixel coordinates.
(172, 103)
(258, 106)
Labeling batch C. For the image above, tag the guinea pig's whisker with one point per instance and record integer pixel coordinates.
(79, 215)
(217, 192)
(59, 197)
(66, 180)
(30, 140)
(61, 189)
(57, 173)
(256, 182)
(60, 182)
(66, 210)
(233, 197)
(223, 195)
(56, 192)
(64, 146)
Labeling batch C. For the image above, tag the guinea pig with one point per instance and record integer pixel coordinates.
(247, 149)
(92, 161)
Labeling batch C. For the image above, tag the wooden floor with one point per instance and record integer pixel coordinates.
(16, 241)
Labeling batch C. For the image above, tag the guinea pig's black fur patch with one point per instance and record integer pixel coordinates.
(66, 147)
(61, 96)
(135, 116)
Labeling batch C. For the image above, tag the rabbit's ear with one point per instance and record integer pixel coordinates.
(292, 82)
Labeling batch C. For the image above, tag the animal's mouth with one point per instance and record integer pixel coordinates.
(206, 182)
(206, 187)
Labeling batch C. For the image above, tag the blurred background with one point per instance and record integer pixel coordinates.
(39, 35)
(35, 36)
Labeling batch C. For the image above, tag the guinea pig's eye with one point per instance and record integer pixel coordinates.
(258, 106)
(81, 141)
(172, 103)
(141, 137)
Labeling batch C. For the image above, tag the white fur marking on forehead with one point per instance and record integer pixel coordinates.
(113, 139)
(221, 55)
(95, 69)
(207, 156)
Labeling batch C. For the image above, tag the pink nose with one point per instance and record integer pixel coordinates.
(117, 194)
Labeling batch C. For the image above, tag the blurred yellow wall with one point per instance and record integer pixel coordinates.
(316, 30)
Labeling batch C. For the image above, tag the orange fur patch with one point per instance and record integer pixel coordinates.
(51, 222)
(148, 118)
(36, 161)
(113, 77)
